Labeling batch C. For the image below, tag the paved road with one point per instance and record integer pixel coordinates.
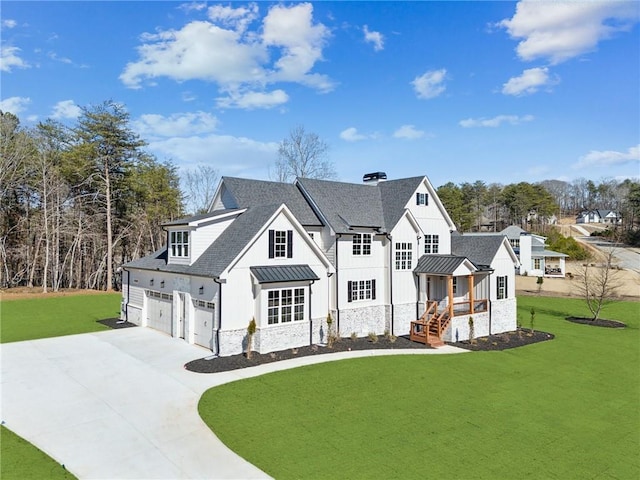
(120, 405)
(626, 257)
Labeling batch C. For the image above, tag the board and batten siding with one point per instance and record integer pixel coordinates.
(404, 281)
(430, 218)
(205, 235)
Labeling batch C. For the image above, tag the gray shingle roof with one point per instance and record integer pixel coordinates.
(438, 264)
(220, 253)
(480, 249)
(254, 193)
(346, 205)
(395, 194)
(283, 273)
(513, 232)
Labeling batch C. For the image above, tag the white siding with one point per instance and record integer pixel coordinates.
(404, 281)
(430, 218)
(205, 235)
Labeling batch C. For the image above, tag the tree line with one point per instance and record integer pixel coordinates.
(76, 202)
(477, 206)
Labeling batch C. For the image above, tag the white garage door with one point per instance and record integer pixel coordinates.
(203, 324)
(159, 311)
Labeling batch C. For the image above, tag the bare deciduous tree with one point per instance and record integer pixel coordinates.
(598, 283)
(303, 154)
(200, 187)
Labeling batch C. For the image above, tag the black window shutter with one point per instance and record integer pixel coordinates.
(373, 289)
(289, 243)
(417, 198)
(349, 291)
(272, 239)
(426, 199)
(506, 290)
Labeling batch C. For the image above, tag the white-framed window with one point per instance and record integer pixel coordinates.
(515, 242)
(537, 263)
(501, 289)
(179, 243)
(362, 244)
(204, 304)
(361, 290)
(285, 305)
(280, 243)
(431, 243)
(455, 285)
(404, 254)
(422, 198)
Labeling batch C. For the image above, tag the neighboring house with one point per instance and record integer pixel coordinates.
(534, 257)
(599, 216)
(376, 257)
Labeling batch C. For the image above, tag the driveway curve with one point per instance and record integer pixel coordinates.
(120, 405)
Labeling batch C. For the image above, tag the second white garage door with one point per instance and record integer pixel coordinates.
(159, 311)
(204, 323)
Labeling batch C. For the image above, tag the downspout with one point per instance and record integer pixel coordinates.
(418, 297)
(391, 279)
(489, 301)
(217, 280)
(126, 304)
(310, 316)
(338, 237)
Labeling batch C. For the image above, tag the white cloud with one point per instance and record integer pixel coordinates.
(66, 109)
(9, 58)
(430, 84)
(54, 56)
(531, 80)
(229, 155)
(225, 50)
(408, 132)
(14, 105)
(253, 100)
(495, 121)
(175, 125)
(561, 30)
(607, 158)
(9, 23)
(351, 135)
(374, 37)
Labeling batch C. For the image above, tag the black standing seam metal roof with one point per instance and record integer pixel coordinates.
(283, 273)
(439, 264)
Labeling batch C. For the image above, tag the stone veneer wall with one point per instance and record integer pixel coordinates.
(459, 328)
(233, 342)
(281, 337)
(364, 320)
(504, 315)
(403, 315)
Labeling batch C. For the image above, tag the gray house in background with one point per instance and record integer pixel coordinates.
(599, 216)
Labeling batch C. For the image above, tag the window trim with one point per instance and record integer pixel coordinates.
(361, 244)
(285, 305)
(178, 247)
(431, 243)
(502, 292)
(280, 243)
(404, 256)
(361, 290)
(422, 199)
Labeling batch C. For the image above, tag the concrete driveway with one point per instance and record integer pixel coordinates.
(119, 404)
(116, 404)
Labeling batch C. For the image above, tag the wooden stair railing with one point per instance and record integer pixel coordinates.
(429, 328)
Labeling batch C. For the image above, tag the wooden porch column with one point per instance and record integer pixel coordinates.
(471, 299)
(450, 294)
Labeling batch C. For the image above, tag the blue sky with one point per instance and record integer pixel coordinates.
(460, 91)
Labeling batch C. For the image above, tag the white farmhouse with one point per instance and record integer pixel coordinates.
(376, 257)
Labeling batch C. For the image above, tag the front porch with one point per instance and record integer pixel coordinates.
(449, 299)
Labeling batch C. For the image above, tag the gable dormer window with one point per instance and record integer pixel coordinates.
(179, 244)
(422, 198)
(362, 244)
(280, 243)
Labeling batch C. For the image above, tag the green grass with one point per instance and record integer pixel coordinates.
(22, 461)
(562, 409)
(52, 317)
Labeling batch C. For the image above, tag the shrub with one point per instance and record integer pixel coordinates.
(373, 338)
(354, 336)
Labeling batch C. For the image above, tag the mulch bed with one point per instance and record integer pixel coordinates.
(505, 341)
(116, 323)
(234, 362)
(494, 342)
(597, 323)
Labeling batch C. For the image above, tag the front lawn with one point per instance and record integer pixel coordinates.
(20, 460)
(566, 408)
(52, 317)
